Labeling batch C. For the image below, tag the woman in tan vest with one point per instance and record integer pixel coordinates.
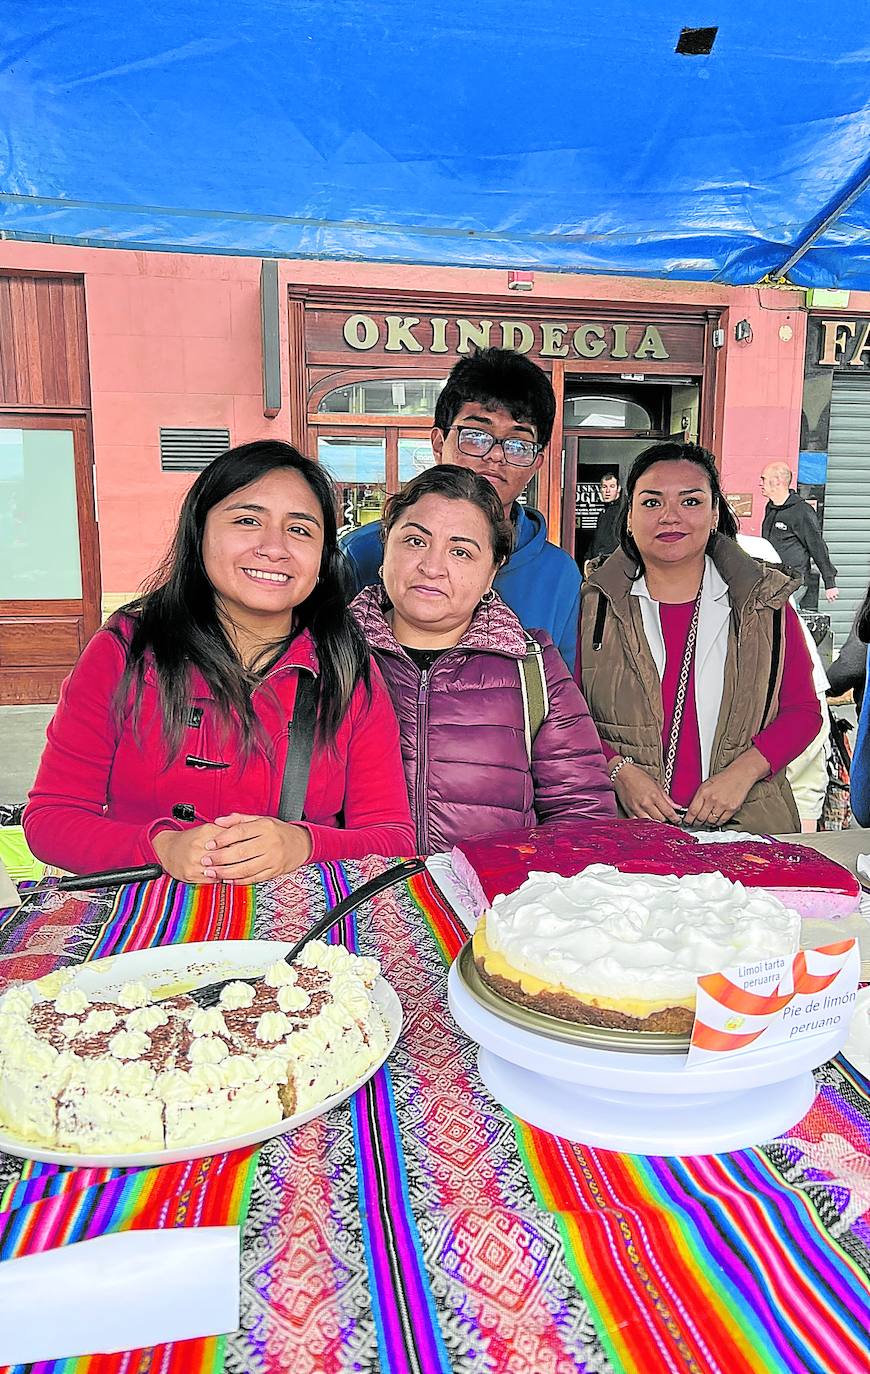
(693, 662)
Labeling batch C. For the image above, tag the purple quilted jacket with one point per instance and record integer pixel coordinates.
(462, 732)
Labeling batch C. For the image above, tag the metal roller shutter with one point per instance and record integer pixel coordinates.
(847, 499)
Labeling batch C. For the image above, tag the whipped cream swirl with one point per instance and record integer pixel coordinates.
(610, 934)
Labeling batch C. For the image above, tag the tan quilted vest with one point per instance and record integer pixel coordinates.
(622, 686)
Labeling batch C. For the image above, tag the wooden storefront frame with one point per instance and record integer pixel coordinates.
(332, 369)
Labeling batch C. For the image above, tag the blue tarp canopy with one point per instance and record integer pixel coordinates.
(553, 134)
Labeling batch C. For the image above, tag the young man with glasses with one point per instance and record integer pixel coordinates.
(495, 416)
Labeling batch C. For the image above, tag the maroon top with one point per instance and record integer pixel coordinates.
(794, 726)
(462, 729)
(675, 621)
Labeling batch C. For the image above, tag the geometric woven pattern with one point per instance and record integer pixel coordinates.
(420, 1228)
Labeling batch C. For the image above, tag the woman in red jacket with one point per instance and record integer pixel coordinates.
(452, 655)
(171, 734)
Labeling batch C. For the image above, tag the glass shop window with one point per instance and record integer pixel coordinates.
(383, 396)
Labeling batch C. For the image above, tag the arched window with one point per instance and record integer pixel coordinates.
(605, 412)
(383, 396)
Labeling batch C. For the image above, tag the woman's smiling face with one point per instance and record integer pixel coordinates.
(438, 562)
(262, 548)
(672, 513)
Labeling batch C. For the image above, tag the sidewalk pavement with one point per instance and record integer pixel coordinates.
(22, 735)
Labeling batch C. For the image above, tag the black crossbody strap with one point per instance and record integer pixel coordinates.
(600, 617)
(300, 742)
(775, 648)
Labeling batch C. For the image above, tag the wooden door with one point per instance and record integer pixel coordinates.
(49, 553)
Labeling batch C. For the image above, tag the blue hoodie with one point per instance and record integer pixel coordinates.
(541, 583)
(860, 770)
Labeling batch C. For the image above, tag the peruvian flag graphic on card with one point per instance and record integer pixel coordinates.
(774, 1001)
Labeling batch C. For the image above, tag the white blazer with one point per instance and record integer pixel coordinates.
(711, 649)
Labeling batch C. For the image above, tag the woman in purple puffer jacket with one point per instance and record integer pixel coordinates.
(450, 652)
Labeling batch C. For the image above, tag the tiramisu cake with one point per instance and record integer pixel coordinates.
(135, 1074)
(607, 948)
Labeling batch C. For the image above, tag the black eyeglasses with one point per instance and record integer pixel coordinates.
(476, 443)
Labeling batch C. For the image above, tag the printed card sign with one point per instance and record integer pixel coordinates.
(774, 1001)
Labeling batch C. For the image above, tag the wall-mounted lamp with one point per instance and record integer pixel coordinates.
(743, 331)
(521, 281)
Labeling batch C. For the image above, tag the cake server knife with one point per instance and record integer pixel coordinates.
(86, 882)
(209, 995)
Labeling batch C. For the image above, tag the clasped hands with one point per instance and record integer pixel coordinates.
(233, 849)
(714, 803)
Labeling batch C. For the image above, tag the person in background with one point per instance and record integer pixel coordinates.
(171, 733)
(792, 526)
(463, 674)
(848, 672)
(606, 537)
(693, 662)
(860, 770)
(808, 773)
(495, 416)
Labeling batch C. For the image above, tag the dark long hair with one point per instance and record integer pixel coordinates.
(176, 624)
(670, 452)
(457, 484)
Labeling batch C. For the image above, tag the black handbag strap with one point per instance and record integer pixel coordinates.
(300, 742)
(775, 649)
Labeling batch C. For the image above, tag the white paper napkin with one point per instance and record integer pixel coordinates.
(862, 864)
(119, 1292)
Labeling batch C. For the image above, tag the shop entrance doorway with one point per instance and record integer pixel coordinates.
(606, 425)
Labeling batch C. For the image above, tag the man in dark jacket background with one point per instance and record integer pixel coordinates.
(606, 536)
(792, 526)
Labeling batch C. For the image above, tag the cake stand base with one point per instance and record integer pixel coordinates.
(648, 1123)
(641, 1103)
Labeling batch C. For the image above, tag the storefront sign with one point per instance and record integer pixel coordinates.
(844, 343)
(740, 503)
(546, 339)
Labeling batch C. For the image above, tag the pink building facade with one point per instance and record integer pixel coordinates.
(175, 351)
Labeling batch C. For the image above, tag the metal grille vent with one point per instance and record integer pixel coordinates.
(190, 450)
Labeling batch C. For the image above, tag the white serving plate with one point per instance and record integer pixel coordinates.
(174, 969)
(857, 1047)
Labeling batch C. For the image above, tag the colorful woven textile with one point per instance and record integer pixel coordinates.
(420, 1228)
(60, 929)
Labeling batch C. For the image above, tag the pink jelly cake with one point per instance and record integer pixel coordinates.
(803, 880)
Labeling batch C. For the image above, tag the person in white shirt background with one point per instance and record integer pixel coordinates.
(808, 773)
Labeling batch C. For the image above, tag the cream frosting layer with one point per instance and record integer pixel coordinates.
(609, 934)
(136, 1074)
